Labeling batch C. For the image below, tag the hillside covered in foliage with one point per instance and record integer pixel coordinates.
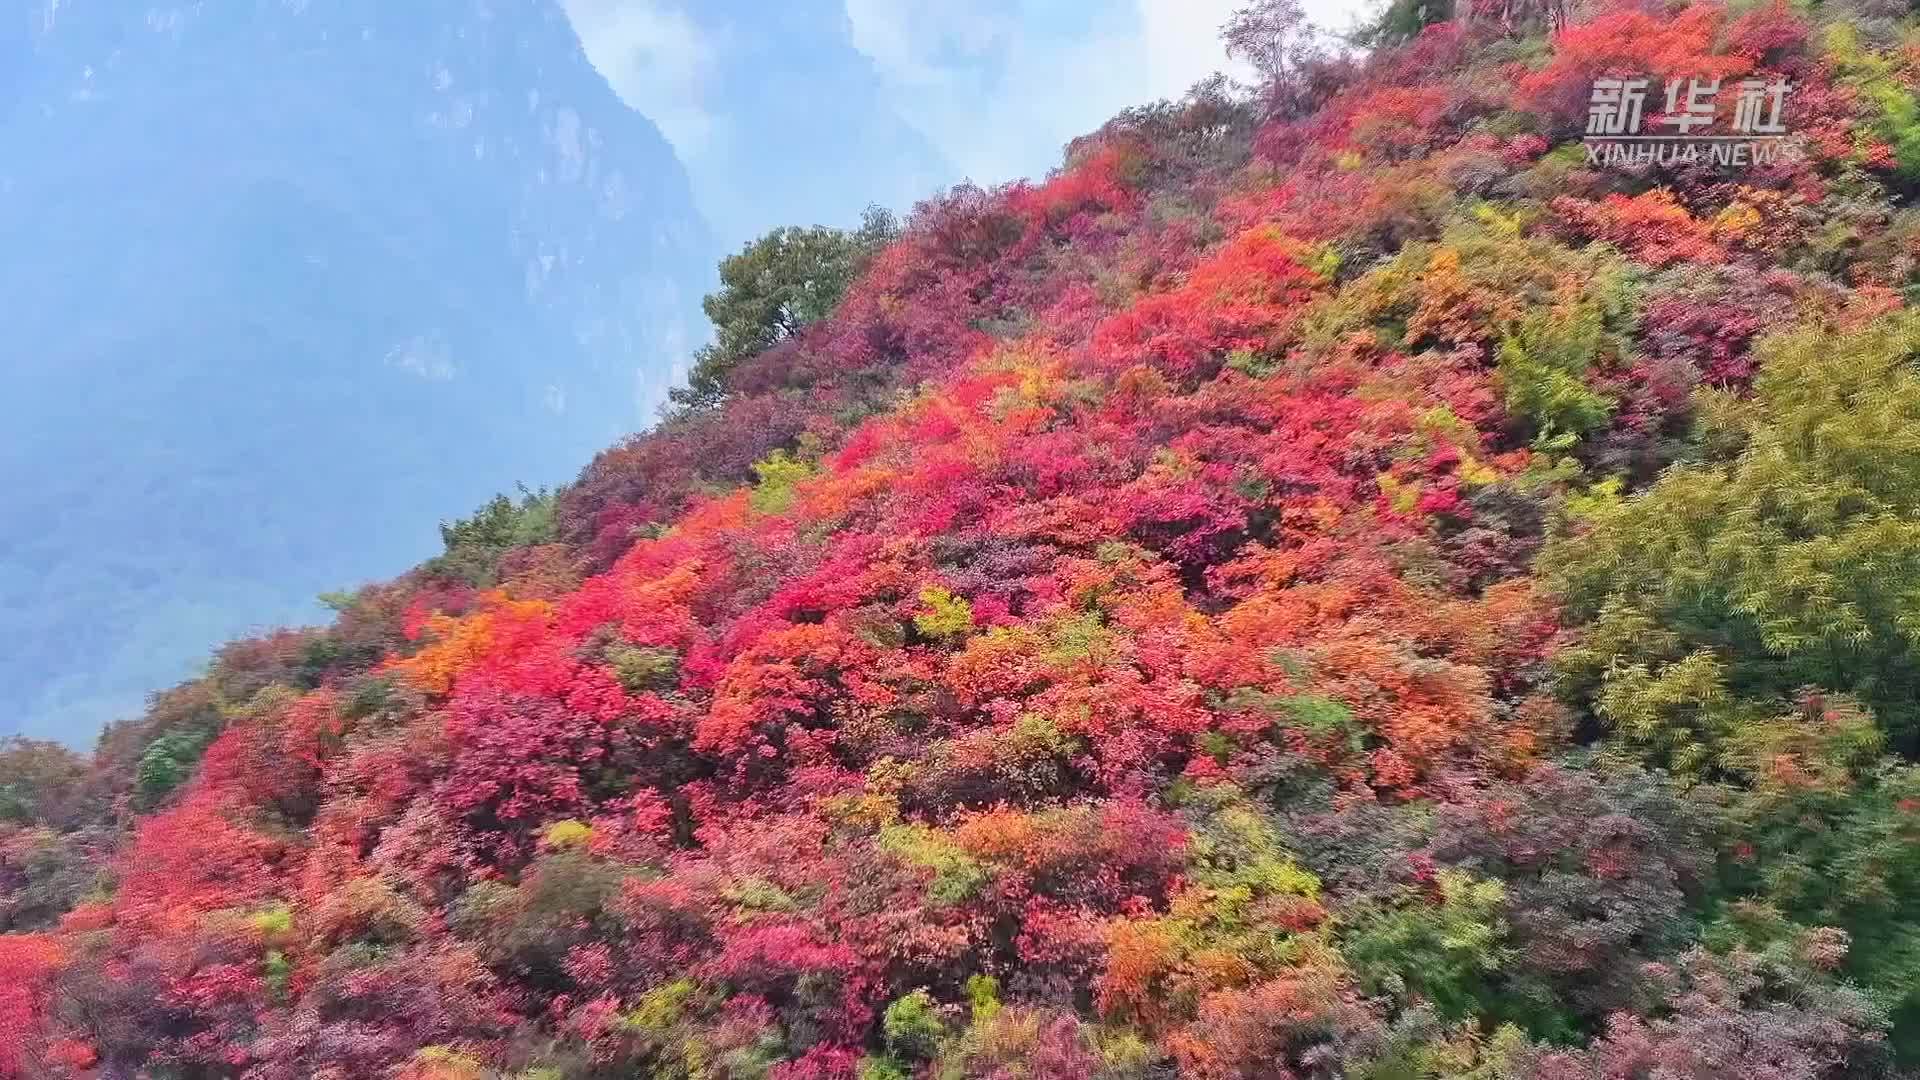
(1329, 583)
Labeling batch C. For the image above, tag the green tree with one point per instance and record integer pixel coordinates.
(1400, 21)
(773, 288)
(502, 523)
(1788, 557)
(475, 544)
(1445, 952)
(167, 763)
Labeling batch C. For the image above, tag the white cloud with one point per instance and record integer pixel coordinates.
(1001, 87)
(998, 86)
(1181, 42)
(656, 59)
(916, 43)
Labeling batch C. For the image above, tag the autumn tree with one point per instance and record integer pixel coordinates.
(40, 782)
(1265, 35)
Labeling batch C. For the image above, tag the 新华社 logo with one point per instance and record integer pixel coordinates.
(1741, 124)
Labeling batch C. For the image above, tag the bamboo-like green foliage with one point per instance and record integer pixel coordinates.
(1788, 557)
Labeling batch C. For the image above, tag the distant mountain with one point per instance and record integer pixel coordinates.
(779, 118)
(793, 88)
(284, 284)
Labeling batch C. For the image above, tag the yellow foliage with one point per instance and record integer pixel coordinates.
(459, 642)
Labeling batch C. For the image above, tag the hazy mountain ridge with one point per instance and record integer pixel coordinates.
(340, 239)
(779, 118)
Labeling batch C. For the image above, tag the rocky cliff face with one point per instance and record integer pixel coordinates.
(286, 282)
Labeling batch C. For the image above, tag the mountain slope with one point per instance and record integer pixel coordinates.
(270, 263)
(1323, 585)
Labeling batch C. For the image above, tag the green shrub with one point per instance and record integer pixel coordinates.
(912, 1026)
(167, 763)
